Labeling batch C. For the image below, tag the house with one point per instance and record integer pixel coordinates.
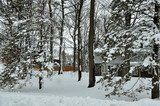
(136, 61)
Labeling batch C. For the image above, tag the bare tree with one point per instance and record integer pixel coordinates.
(79, 41)
(61, 37)
(90, 46)
(51, 30)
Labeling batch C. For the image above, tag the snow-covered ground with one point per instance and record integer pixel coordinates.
(24, 99)
(65, 90)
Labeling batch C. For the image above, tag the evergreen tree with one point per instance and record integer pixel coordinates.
(14, 55)
(126, 34)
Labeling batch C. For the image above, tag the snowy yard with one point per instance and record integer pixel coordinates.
(65, 90)
(32, 99)
(112, 37)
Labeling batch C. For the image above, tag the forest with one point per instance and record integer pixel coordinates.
(114, 38)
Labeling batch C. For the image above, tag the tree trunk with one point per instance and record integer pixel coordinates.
(155, 84)
(40, 75)
(74, 41)
(127, 16)
(156, 15)
(155, 78)
(79, 41)
(51, 32)
(126, 66)
(41, 44)
(61, 38)
(90, 46)
(40, 82)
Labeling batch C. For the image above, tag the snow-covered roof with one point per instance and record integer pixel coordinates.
(98, 50)
(142, 50)
(116, 61)
(135, 63)
(135, 60)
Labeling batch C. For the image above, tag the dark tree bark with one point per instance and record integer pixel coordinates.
(155, 78)
(75, 36)
(156, 15)
(127, 16)
(40, 76)
(61, 38)
(40, 82)
(41, 41)
(51, 31)
(126, 66)
(90, 46)
(74, 40)
(29, 16)
(79, 41)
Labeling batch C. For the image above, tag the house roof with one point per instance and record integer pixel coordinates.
(138, 59)
(116, 61)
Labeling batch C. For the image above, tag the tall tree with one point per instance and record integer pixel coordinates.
(128, 45)
(74, 16)
(79, 41)
(51, 30)
(14, 55)
(41, 43)
(155, 78)
(75, 35)
(61, 37)
(131, 28)
(90, 46)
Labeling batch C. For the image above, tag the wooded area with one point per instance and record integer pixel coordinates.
(33, 31)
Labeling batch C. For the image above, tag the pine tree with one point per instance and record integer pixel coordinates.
(125, 35)
(14, 55)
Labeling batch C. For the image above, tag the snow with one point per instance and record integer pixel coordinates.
(64, 85)
(16, 23)
(98, 50)
(20, 99)
(157, 38)
(113, 50)
(147, 61)
(65, 90)
(1, 68)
